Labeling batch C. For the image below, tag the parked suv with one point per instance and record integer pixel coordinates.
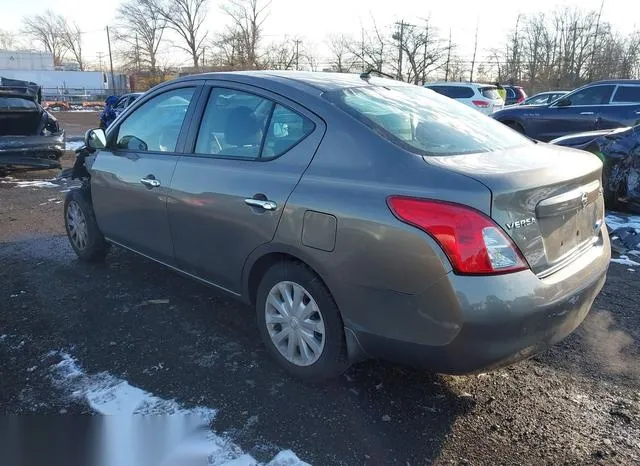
(600, 105)
(482, 97)
(360, 217)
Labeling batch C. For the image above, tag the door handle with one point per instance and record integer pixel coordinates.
(586, 113)
(150, 182)
(266, 205)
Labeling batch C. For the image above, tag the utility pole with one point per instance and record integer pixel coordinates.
(400, 37)
(446, 73)
(99, 55)
(113, 80)
(137, 55)
(475, 50)
(297, 42)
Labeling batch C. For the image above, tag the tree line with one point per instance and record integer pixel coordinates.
(561, 49)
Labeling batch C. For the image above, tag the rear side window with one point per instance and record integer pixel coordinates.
(424, 122)
(490, 92)
(627, 94)
(17, 103)
(155, 126)
(234, 124)
(454, 92)
(510, 92)
(240, 124)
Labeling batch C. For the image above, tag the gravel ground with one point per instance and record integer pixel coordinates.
(578, 403)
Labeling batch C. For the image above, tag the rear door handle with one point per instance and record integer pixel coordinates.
(586, 113)
(150, 182)
(266, 205)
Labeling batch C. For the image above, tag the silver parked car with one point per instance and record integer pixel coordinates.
(361, 217)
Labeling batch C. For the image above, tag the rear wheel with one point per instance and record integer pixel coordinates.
(300, 323)
(82, 229)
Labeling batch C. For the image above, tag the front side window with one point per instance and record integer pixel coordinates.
(596, 95)
(425, 122)
(234, 124)
(627, 94)
(155, 126)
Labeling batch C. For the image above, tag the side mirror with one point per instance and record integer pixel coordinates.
(95, 139)
(564, 102)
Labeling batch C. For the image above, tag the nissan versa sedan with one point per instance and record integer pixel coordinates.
(360, 217)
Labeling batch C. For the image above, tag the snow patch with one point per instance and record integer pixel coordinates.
(191, 443)
(32, 184)
(73, 145)
(624, 260)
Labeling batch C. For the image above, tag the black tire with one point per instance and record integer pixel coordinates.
(515, 126)
(333, 359)
(96, 247)
(611, 197)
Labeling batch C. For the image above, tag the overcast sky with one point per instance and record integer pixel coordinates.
(314, 20)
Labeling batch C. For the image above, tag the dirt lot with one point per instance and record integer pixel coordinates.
(129, 318)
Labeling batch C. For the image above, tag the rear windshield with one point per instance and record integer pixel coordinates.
(455, 92)
(490, 92)
(424, 122)
(16, 103)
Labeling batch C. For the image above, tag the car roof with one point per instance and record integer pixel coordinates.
(615, 81)
(323, 81)
(457, 83)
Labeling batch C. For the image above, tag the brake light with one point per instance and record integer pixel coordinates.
(480, 103)
(521, 99)
(473, 242)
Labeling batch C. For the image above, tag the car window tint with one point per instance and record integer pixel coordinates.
(155, 126)
(629, 94)
(425, 122)
(233, 124)
(490, 92)
(17, 103)
(510, 92)
(286, 129)
(596, 95)
(454, 92)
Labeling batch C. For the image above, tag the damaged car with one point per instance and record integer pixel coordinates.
(30, 137)
(619, 150)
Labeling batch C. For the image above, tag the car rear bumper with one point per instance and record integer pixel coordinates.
(466, 324)
(32, 151)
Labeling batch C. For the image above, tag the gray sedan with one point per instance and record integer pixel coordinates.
(361, 217)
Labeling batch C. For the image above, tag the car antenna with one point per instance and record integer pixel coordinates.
(367, 74)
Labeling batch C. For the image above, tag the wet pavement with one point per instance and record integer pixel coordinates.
(135, 321)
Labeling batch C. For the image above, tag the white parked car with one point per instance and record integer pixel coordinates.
(482, 97)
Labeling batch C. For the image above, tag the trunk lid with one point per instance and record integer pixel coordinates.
(548, 199)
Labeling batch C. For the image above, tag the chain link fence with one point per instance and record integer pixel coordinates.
(77, 99)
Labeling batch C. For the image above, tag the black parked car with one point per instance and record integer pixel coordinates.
(515, 95)
(600, 105)
(619, 150)
(30, 137)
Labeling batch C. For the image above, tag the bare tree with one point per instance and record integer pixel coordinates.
(186, 18)
(245, 33)
(342, 60)
(47, 30)
(139, 31)
(372, 49)
(282, 55)
(8, 40)
(71, 38)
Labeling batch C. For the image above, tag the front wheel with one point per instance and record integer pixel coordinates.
(82, 229)
(300, 323)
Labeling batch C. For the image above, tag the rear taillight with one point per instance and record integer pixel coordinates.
(522, 98)
(474, 244)
(480, 103)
